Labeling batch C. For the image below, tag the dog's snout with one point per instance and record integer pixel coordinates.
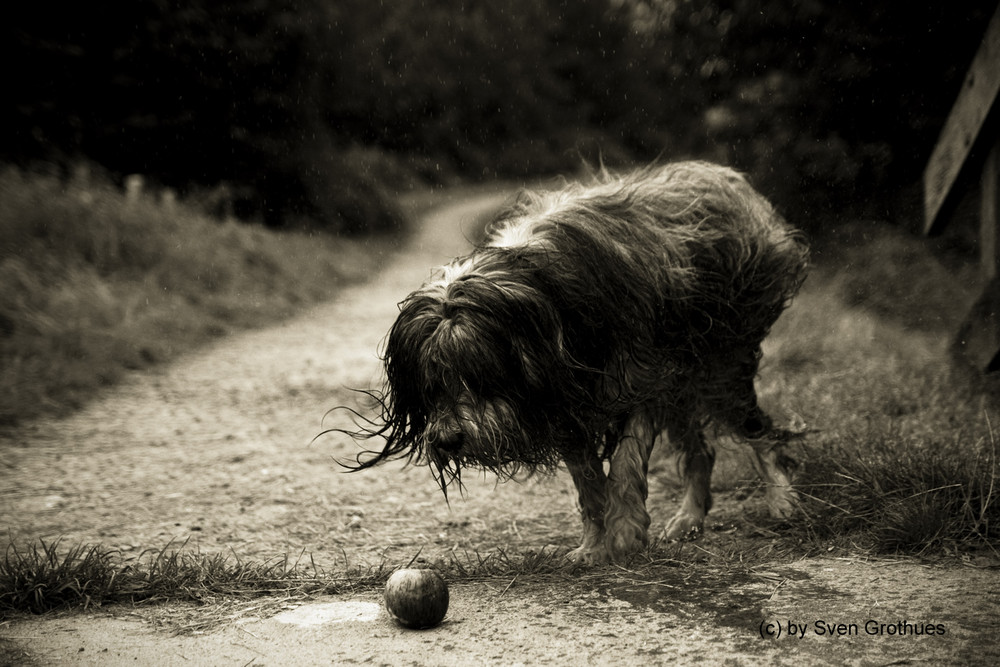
(450, 442)
(445, 435)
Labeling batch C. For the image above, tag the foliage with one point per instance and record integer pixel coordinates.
(192, 93)
(826, 103)
(838, 99)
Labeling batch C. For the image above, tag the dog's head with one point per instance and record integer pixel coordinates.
(476, 376)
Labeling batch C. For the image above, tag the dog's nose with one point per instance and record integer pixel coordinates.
(450, 442)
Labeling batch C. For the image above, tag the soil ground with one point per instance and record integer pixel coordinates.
(218, 450)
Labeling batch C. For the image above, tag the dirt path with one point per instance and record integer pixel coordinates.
(217, 450)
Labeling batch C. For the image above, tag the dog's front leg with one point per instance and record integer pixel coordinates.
(591, 486)
(626, 521)
(775, 469)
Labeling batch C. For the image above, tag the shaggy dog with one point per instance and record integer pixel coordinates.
(593, 319)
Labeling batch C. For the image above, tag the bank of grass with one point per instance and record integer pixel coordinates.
(96, 283)
(904, 454)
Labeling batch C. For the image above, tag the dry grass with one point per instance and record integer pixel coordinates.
(206, 591)
(896, 492)
(46, 576)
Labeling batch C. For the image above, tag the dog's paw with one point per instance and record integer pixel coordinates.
(588, 555)
(684, 527)
(782, 502)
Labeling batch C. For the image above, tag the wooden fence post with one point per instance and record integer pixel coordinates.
(970, 143)
(979, 336)
(989, 215)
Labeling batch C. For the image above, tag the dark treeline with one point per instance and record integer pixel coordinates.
(304, 107)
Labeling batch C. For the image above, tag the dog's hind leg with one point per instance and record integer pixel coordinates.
(695, 461)
(775, 468)
(591, 482)
(768, 442)
(626, 521)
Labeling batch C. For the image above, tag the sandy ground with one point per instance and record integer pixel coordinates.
(218, 451)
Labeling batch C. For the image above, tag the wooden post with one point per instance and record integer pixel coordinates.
(969, 144)
(989, 215)
(979, 336)
(962, 135)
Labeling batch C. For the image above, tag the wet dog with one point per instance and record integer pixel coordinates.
(591, 320)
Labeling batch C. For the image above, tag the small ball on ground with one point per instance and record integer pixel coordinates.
(416, 598)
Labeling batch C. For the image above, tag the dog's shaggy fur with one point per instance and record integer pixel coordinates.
(592, 319)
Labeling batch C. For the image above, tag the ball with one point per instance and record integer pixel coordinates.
(416, 598)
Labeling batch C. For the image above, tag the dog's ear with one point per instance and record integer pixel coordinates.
(526, 323)
(407, 386)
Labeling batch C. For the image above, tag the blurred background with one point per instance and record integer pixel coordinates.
(284, 109)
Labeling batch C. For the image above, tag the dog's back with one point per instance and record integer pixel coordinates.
(690, 245)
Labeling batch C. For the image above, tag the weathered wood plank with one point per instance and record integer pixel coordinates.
(989, 215)
(979, 336)
(963, 126)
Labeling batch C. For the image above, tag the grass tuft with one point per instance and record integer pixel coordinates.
(45, 577)
(40, 577)
(906, 494)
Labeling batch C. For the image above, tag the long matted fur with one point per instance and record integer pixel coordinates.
(592, 319)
